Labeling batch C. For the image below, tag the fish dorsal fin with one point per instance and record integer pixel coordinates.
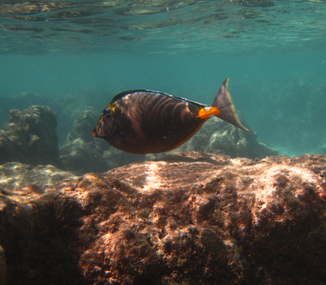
(130, 92)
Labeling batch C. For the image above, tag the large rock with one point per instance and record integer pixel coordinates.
(34, 225)
(78, 153)
(30, 137)
(184, 219)
(67, 107)
(220, 137)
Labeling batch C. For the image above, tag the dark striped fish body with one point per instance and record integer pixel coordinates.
(147, 121)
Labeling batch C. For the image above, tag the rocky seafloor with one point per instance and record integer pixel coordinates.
(178, 218)
(189, 218)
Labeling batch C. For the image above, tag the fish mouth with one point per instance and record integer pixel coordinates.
(94, 133)
(104, 128)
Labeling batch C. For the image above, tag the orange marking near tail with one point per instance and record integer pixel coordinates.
(203, 114)
(214, 111)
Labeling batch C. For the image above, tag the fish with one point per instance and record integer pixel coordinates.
(147, 121)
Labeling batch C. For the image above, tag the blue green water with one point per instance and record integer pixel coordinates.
(274, 52)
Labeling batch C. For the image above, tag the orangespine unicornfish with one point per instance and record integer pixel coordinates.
(147, 121)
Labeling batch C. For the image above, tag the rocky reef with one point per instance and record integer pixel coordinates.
(189, 218)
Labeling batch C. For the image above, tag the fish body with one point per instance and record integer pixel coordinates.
(147, 121)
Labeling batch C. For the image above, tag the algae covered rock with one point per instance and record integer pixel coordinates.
(220, 137)
(80, 157)
(82, 127)
(35, 227)
(209, 219)
(189, 218)
(30, 137)
(80, 154)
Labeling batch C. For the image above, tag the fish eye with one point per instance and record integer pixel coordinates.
(106, 112)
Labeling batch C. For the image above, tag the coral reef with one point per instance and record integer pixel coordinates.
(189, 218)
(30, 137)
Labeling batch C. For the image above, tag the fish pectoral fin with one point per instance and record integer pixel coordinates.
(204, 113)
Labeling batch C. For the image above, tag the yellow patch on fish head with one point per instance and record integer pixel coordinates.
(111, 107)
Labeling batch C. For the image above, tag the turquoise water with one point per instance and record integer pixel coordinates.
(274, 52)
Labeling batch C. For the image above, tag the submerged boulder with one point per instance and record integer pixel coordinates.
(30, 137)
(220, 137)
(80, 154)
(188, 218)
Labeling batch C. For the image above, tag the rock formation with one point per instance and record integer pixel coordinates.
(189, 218)
(30, 137)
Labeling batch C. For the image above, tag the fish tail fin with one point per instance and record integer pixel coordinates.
(225, 106)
